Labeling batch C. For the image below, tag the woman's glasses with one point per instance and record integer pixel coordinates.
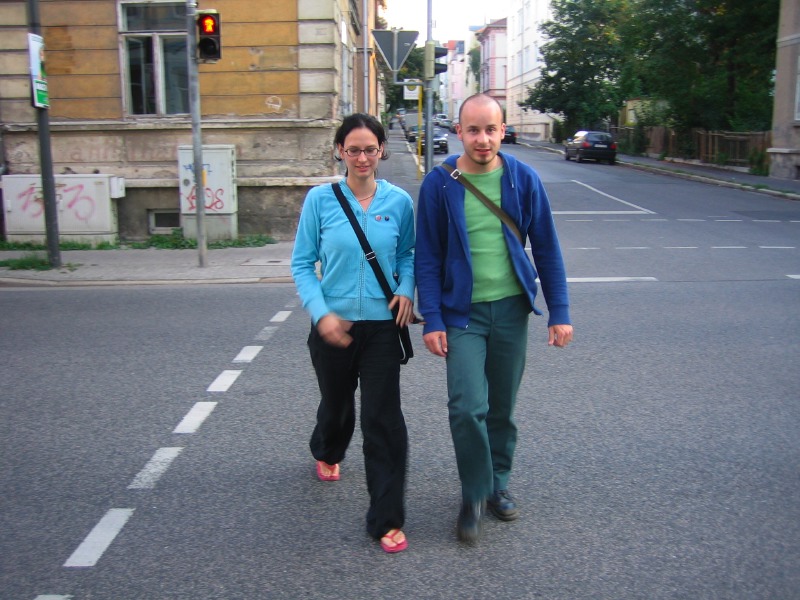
(356, 152)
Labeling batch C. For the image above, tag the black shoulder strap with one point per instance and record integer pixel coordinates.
(372, 259)
(496, 210)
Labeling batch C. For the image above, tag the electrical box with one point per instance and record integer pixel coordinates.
(219, 191)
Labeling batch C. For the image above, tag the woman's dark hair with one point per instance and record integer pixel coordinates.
(357, 121)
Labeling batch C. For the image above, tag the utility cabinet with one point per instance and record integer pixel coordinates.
(86, 208)
(219, 193)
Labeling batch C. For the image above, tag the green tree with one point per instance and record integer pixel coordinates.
(583, 61)
(712, 61)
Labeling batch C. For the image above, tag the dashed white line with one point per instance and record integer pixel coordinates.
(247, 354)
(265, 333)
(280, 316)
(154, 469)
(728, 247)
(633, 247)
(195, 417)
(793, 276)
(52, 597)
(777, 247)
(681, 247)
(99, 538)
(608, 279)
(224, 381)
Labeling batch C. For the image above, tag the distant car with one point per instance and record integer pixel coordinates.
(438, 118)
(411, 133)
(511, 135)
(439, 141)
(595, 145)
(453, 125)
(445, 124)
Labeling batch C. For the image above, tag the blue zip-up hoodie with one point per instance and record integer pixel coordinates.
(348, 286)
(443, 265)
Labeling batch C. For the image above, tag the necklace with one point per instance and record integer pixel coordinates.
(365, 198)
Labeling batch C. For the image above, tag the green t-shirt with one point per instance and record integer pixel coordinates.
(492, 271)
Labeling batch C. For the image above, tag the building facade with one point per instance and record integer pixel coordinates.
(785, 153)
(116, 73)
(494, 53)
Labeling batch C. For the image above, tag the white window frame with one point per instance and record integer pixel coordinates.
(156, 38)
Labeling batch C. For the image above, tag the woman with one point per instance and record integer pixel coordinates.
(353, 337)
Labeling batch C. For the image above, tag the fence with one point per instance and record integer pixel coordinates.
(732, 148)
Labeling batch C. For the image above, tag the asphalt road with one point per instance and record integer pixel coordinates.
(658, 454)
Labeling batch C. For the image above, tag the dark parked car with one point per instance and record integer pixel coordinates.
(439, 140)
(597, 145)
(510, 136)
(411, 133)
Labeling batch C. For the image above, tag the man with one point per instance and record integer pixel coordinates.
(476, 289)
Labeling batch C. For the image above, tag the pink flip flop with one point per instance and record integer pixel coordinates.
(390, 544)
(327, 472)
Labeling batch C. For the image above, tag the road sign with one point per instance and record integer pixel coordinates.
(411, 92)
(394, 45)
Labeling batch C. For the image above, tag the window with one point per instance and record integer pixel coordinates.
(154, 42)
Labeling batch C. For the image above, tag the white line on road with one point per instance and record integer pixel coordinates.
(52, 597)
(777, 247)
(154, 469)
(224, 381)
(247, 354)
(638, 208)
(633, 247)
(99, 538)
(265, 334)
(793, 276)
(681, 247)
(195, 417)
(280, 316)
(608, 279)
(728, 247)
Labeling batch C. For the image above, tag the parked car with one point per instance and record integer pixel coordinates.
(411, 133)
(439, 141)
(445, 124)
(511, 135)
(438, 118)
(596, 145)
(453, 125)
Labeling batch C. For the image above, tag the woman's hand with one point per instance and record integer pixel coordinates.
(334, 330)
(405, 312)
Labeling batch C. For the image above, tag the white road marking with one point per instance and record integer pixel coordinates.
(793, 276)
(195, 417)
(691, 220)
(154, 469)
(728, 220)
(681, 247)
(265, 334)
(728, 247)
(280, 316)
(777, 247)
(247, 354)
(633, 248)
(224, 381)
(99, 538)
(52, 597)
(608, 279)
(639, 209)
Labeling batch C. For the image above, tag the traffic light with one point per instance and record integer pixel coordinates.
(209, 45)
(433, 52)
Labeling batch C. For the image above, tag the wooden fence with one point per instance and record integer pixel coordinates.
(738, 149)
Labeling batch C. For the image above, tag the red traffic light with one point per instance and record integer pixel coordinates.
(209, 24)
(209, 44)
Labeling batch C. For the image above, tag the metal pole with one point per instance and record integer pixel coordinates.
(429, 103)
(197, 137)
(46, 161)
(365, 39)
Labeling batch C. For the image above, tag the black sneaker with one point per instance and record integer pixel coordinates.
(469, 524)
(502, 505)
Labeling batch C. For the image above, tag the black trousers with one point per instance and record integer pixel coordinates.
(373, 361)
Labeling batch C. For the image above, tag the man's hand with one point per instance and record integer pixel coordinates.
(334, 330)
(559, 335)
(436, 343)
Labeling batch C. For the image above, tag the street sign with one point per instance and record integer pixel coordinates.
(411, 91)
(38, 73)
(394, 45)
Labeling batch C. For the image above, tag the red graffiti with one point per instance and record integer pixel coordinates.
(33, 201)
(82, 206)
(214, 200)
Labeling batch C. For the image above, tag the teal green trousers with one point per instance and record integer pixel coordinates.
(485, 363)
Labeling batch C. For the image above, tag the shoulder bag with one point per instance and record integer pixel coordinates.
(496, 210)
(372, 259)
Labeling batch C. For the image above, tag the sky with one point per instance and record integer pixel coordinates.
(451, 18)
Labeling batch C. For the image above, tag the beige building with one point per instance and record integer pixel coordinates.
(117, 80)
(785, 153)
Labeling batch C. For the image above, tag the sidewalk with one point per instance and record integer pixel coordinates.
(271, 263)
